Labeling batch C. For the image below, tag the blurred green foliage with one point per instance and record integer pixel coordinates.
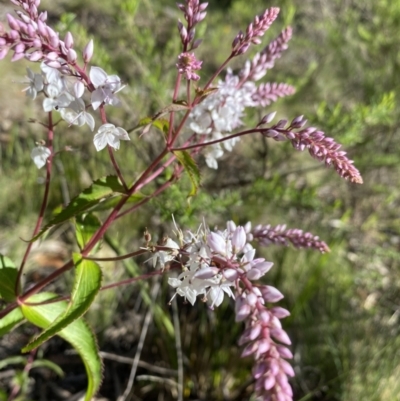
(344, 61)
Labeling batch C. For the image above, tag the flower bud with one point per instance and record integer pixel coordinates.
(69, 40)
(88, 52)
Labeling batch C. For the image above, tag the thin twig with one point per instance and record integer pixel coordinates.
(146, 324)
(178, 344)
(145, 365)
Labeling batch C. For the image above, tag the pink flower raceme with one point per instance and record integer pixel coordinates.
(213, 264)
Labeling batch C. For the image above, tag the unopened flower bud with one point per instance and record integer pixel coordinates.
(88, 51)
(206, 273)
(69, 40)
(12, 22)
(71, 56)
(281, 336)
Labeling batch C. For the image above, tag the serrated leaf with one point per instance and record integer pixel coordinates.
(87, 282)
(191, 169)
(100, 190)
(85, 226)
(8, 278)
(77, 334)
(8, 322)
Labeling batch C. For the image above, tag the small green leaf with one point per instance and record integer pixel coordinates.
(191, 168)
(8, 277)
(8, 322)
(77, 334)
(100, 190)
(87, 282)
(12, 360)
(45, 363)
(85, 226)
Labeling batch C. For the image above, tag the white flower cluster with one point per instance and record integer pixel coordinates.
(213, 262)
(220, 113)
(64, 95)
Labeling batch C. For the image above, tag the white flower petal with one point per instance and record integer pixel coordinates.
(39, 155)
(98, 76)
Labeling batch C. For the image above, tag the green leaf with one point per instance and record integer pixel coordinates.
(110, 203)
(45, 363)
(12, 360)
(87, 283)
(77, 334)
(100, 190)
(8, 278)
(191, 168)
(8, 322)
(85, 226)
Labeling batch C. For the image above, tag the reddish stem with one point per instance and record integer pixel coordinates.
(49, 164)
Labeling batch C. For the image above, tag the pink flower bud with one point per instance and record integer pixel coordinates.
(269, 382)
(230, 274)
(53, 63)
(284, 352)
(206, 273)
(264, 316)
(216, 243)
(243, 312)
(88, 51)
(263, 346)
(287, 368)
(251, 299)
(42, 29)
(263, 267)
(255, 331)
(69, 40)
(238, 239)
(19, 48)
(35, 56)
(253, 274)
(52, 56)
(279, 312)
(71, 56)
(17, 56)
(3, 52)
(250, 349)
(271, 294)
(281, 336)
(12, 22)
(43, 16)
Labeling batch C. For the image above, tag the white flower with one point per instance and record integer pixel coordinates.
(56, 97)
(220, 113)
(35, 84)
(106, 86)
(52, 74)
(108, 134)
(166, 256)
(76, 114)
(39, 155)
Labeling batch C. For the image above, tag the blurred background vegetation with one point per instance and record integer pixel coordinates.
(344, 60)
